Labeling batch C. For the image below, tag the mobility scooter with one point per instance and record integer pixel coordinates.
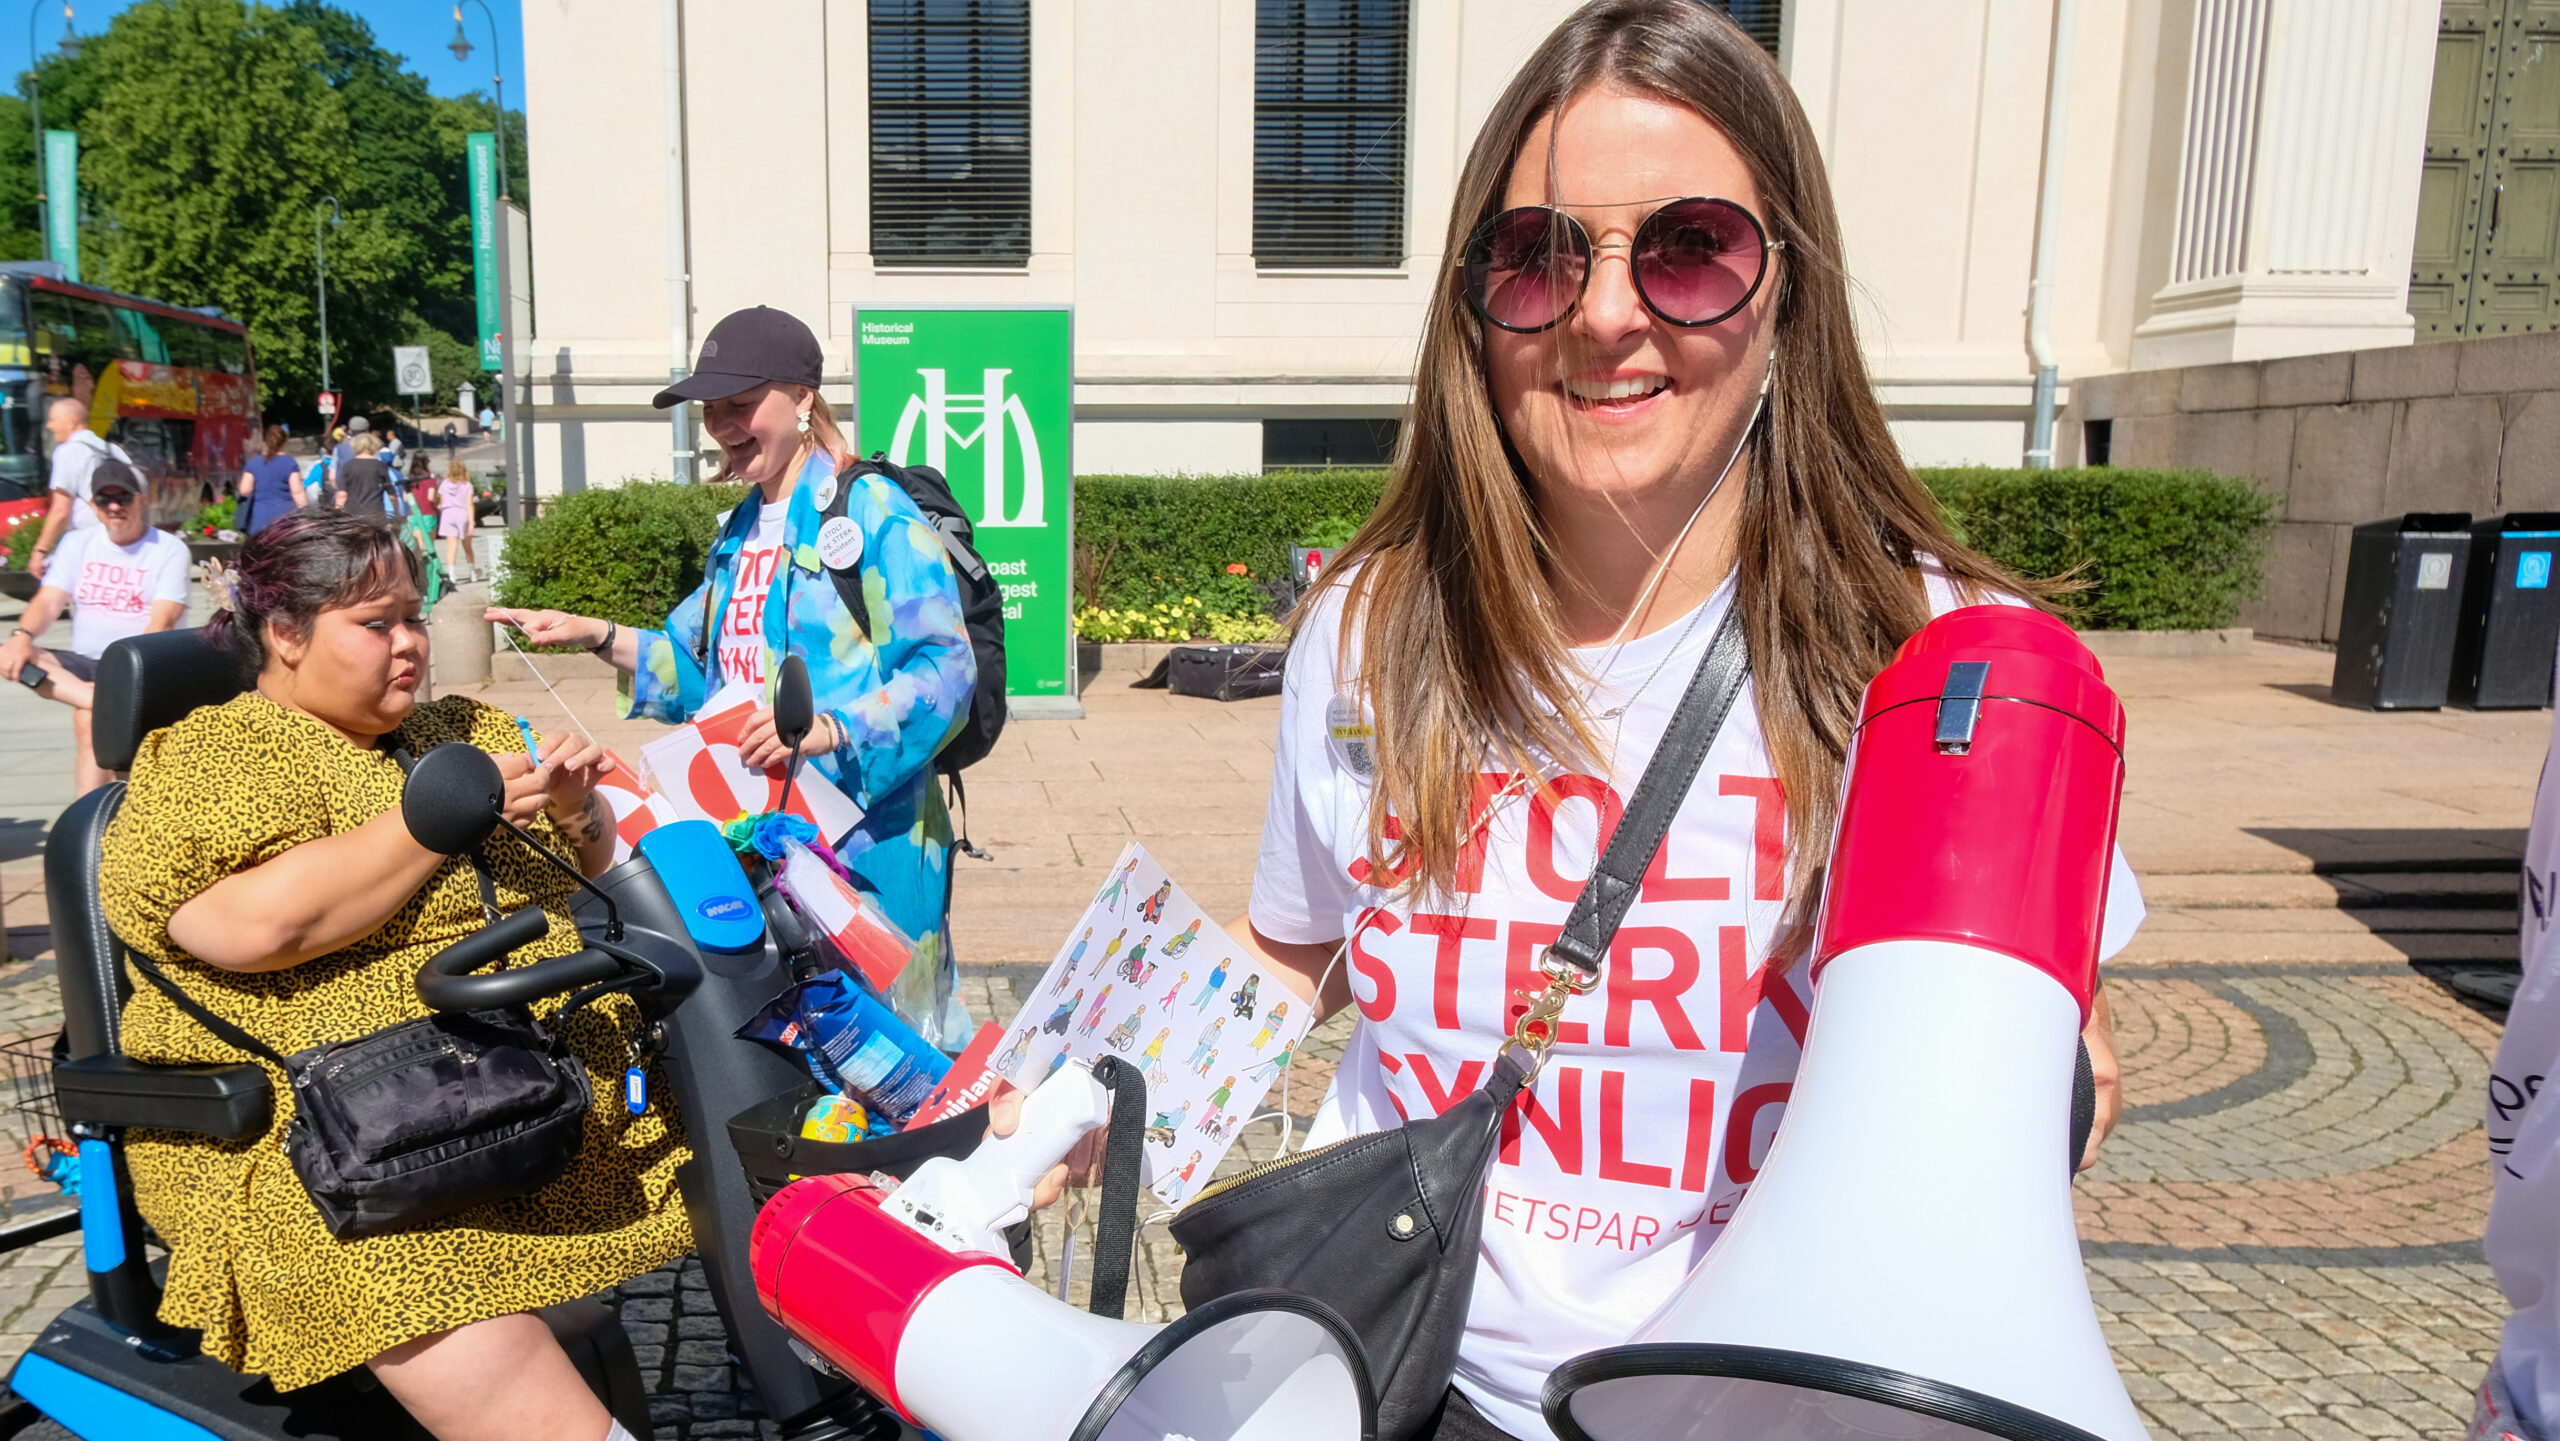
(108, 1368)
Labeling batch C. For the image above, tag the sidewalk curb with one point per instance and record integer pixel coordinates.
(2167, 644)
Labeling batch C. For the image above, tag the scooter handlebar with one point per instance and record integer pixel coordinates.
(445, 982)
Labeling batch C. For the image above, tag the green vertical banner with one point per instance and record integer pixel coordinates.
(62, 199)
(482, 151)
(987, 397)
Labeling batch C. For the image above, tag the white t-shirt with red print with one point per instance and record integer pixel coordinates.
(740, 652)
(1657, 1105)
(112, 586)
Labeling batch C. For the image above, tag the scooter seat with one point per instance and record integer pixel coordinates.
(228, 1103)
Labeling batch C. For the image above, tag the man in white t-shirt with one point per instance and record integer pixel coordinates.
(76, 452)
(1656, 1108)
(120, 577)
(2521, 1394)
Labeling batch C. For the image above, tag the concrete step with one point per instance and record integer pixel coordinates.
(2360, 890)
(2172, 944)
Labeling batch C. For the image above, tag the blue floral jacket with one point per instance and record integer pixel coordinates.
(897, 694)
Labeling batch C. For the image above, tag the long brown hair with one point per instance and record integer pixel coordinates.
(1464, 656)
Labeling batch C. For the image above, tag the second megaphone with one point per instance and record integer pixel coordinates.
(908, 1292)
(1906, 1265)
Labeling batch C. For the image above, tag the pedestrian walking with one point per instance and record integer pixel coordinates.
(366, 486)
(270, 486)
(452, 441)
(77, 452)
(346, 448)
(1637, 421)
(488, 420)
(455, 499)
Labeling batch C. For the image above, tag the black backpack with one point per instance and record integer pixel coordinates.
(981, 599)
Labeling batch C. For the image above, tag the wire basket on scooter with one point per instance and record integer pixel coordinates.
(43, 1139)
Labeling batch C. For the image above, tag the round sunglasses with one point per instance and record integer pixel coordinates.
(1695, 261)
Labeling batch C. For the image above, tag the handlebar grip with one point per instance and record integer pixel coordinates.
(445, 985)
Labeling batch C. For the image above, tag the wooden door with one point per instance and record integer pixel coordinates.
(2486, 256)
(2452, 182)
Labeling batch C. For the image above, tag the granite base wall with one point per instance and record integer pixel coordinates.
(2340, 439)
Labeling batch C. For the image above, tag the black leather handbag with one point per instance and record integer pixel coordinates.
(416, 1122)
(1384, 1227)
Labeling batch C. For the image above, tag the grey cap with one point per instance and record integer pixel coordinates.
(358, 425)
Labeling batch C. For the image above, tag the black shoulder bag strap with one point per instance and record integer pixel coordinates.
(1657, 799)
(224, 1031)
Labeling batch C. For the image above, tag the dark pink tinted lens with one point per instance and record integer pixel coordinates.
(1526, 267)
(1698, 260)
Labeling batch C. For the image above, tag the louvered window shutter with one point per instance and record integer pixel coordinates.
(1759, 19)
(950, 132)
(1329, 88)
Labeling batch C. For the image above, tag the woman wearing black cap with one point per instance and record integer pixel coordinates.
(887, 698)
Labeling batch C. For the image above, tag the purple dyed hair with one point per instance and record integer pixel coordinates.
(308, 562)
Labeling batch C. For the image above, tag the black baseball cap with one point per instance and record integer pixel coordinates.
(111, 476)
(746, 349)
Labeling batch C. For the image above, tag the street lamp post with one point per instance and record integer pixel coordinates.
(518, 445)
(35, 105)
(320, 255)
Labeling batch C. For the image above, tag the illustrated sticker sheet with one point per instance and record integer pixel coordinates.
(1145, 975)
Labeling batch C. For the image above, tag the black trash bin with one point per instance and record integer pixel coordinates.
(2403, 610)
(2510, 614)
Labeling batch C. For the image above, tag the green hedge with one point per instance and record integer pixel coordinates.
(2152, 550)
(1144, 540)
(627, 554)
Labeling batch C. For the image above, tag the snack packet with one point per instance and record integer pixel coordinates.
(852, 1044)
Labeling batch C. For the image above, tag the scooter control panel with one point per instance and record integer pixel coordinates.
(709, 887)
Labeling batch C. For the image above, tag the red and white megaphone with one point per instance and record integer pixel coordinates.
(909, 1293)
(1906, 1265)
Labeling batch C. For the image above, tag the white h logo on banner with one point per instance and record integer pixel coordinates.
(995, 411)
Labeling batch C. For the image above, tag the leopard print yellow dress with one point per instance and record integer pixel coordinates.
(251, 1264)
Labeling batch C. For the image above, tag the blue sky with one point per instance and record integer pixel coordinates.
(417, 29)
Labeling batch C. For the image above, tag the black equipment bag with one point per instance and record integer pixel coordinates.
(1226, 672)
(416, 1122)
(981, 598)
(1384, 1227)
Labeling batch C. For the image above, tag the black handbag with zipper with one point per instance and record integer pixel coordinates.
(1384, 1227)
(405, 1126)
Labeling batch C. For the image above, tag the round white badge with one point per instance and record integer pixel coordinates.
(825, 495)
(839, 544)
(1350, 734)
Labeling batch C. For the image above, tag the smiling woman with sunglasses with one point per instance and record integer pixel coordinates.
(1640, 416)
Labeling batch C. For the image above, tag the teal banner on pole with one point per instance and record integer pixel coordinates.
(483, 152)
(62, 199)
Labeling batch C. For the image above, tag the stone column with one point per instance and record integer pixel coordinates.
(2297, 181)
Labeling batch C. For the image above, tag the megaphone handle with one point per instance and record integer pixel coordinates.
(1054, 1118)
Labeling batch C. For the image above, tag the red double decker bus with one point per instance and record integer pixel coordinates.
(174, 387)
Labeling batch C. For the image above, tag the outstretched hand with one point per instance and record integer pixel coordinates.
(550, 627)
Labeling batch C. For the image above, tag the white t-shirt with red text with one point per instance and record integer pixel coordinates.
(740, 652)
(112, 586)
(1657, 1105)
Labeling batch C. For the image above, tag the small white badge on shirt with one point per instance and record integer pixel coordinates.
(1348, 731)
(825, 495)
(839, 543)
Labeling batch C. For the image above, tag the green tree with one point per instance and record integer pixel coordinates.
(209, 148)
(209, 131)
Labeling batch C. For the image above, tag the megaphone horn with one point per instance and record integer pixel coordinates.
(907, 1293)
(1906, 1264)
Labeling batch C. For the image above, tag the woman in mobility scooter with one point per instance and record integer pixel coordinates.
(260, 859)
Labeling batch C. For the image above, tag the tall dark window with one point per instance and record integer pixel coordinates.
(1759, 19)
(950, 132)
(1329, 83)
